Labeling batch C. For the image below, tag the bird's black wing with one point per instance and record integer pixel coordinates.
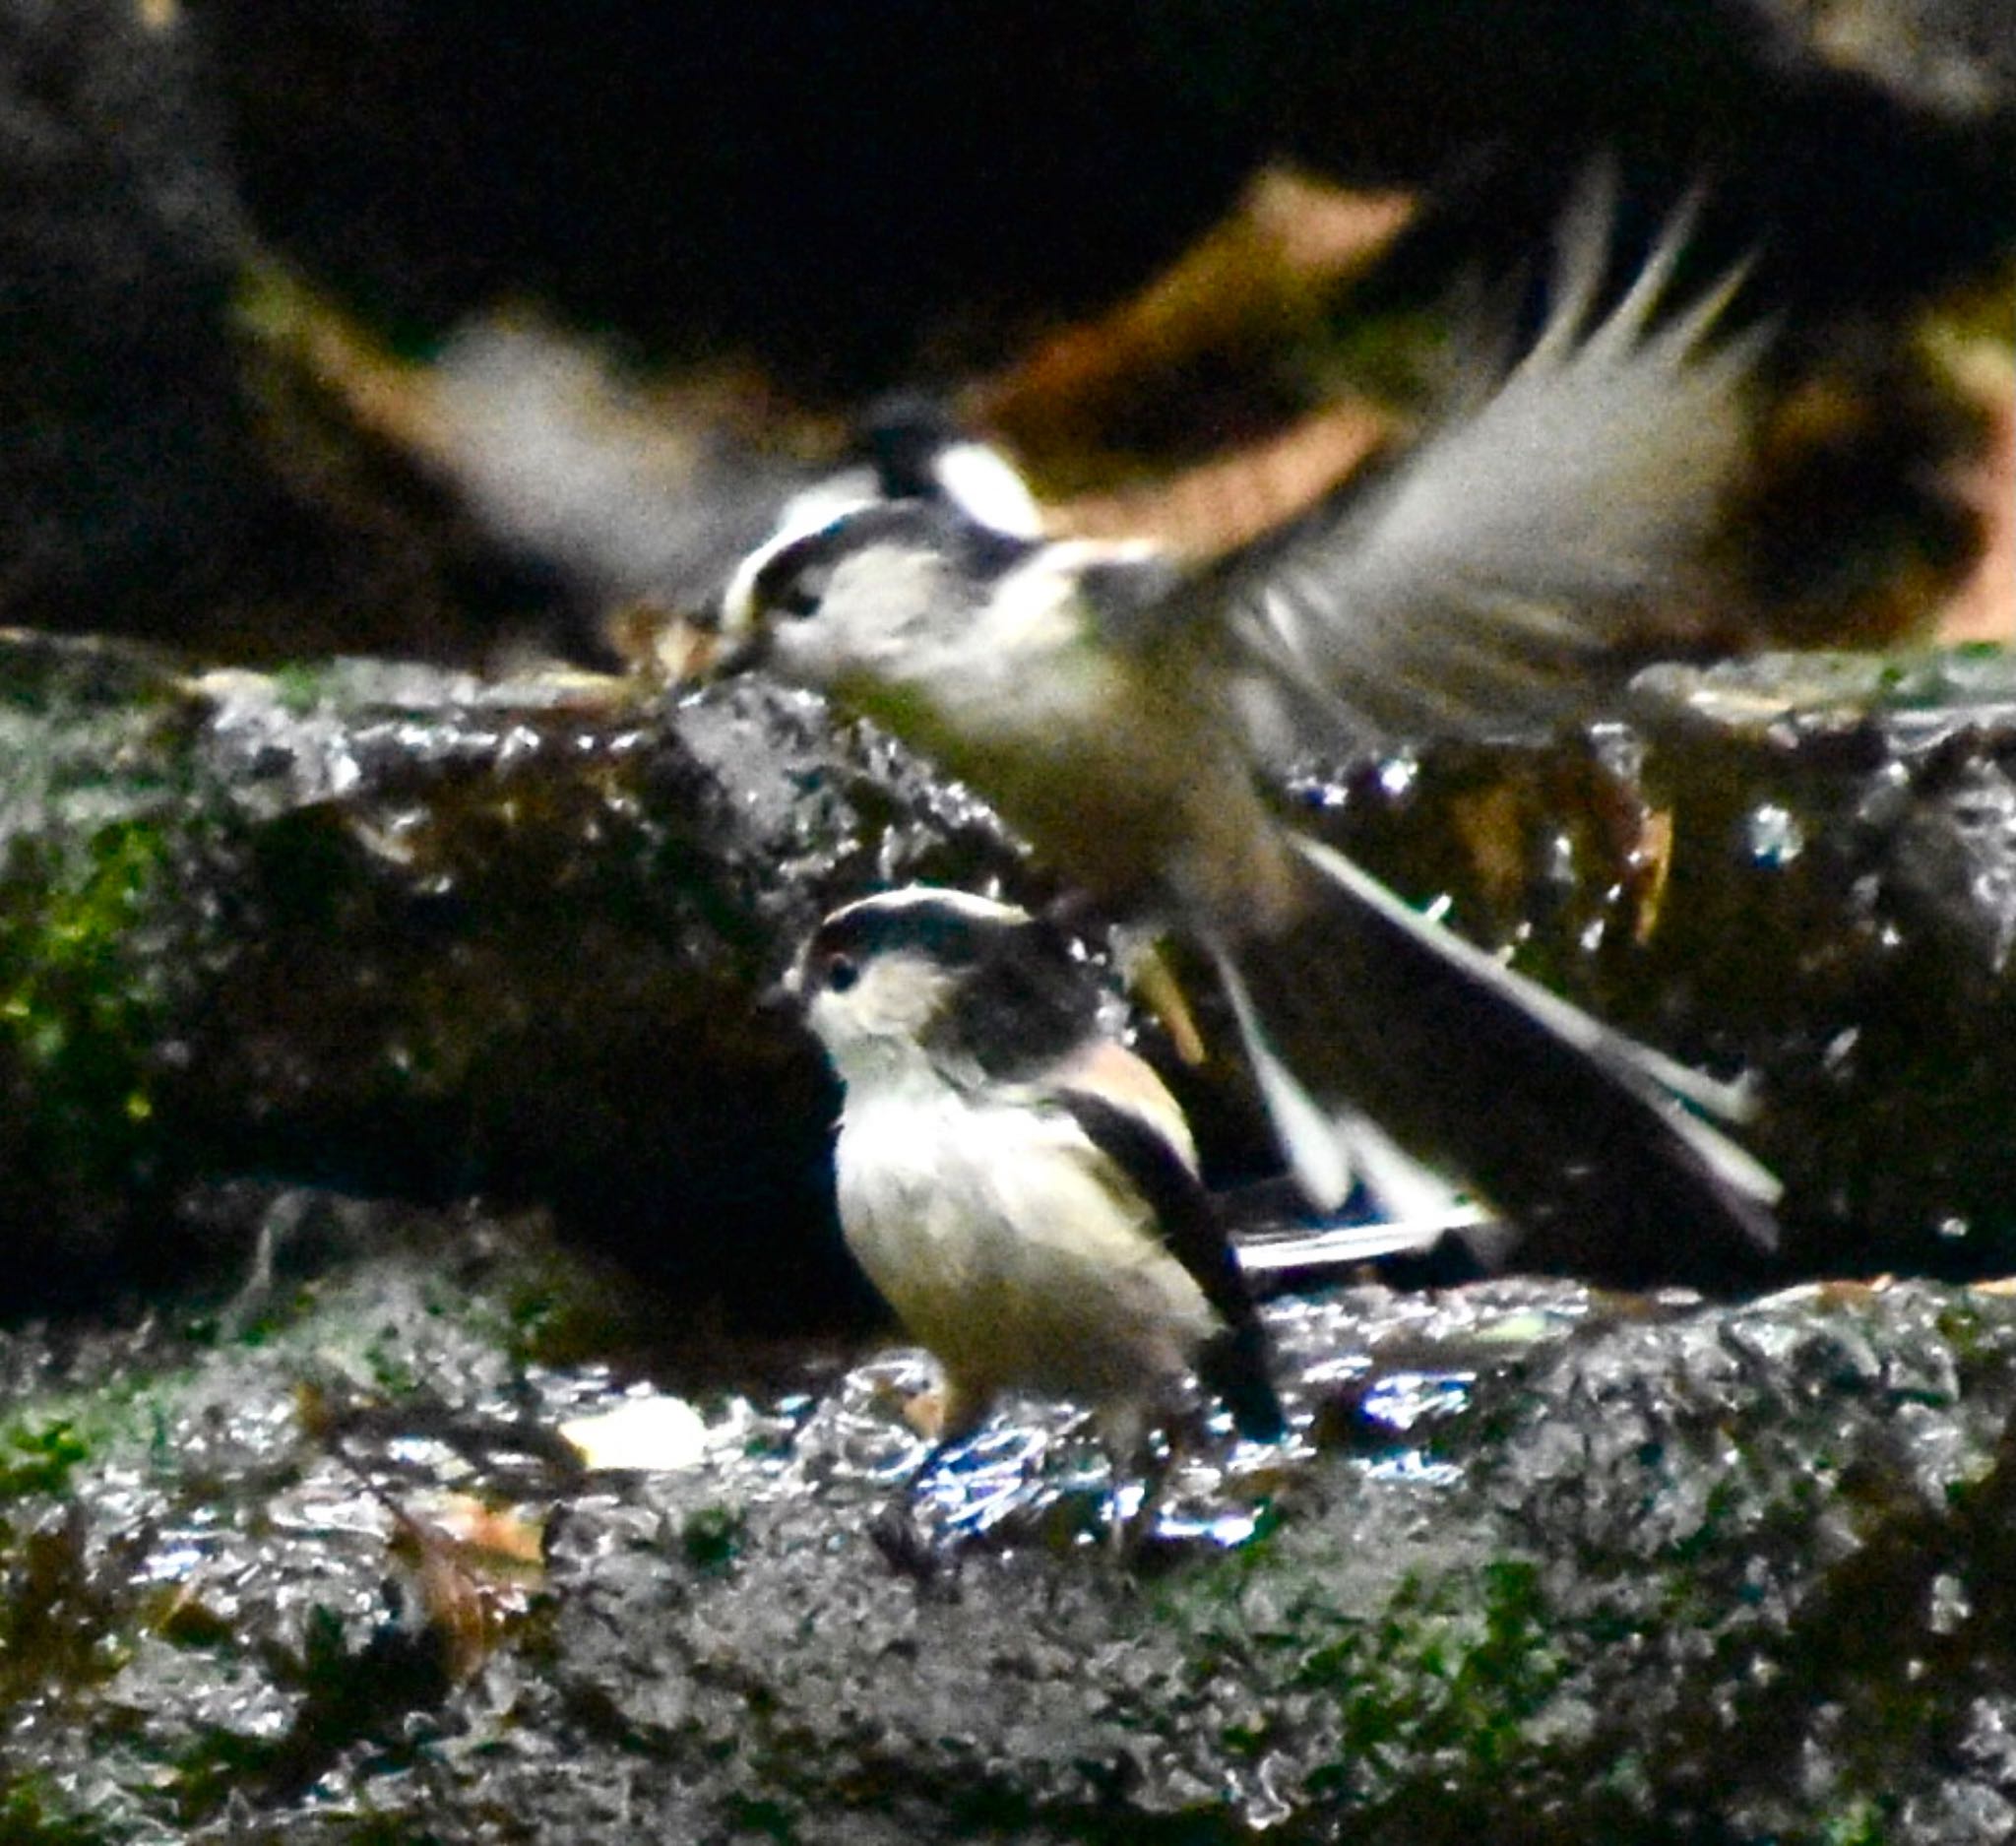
(1235, 1364)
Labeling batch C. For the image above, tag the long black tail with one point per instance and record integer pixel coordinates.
(1567, 1125)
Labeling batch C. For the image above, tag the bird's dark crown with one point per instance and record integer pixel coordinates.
(1018, 1000)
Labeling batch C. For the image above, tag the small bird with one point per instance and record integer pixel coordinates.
(1020, 1187)
(1117, 710)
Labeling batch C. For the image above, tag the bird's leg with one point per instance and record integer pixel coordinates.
(912, 1547)
(1129, 1442)
(1157, 1447)
(951, 1414)
(277, 1225)
(955, 1411)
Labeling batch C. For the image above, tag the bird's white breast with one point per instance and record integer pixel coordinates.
(1011, 1247)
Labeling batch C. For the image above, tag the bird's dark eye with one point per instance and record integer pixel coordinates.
(799, 591)
(841, 972)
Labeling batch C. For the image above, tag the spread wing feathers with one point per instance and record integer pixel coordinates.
(1235, 1364)
(1559, 519)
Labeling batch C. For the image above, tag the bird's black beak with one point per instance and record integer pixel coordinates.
(714, 649)
(737, 654)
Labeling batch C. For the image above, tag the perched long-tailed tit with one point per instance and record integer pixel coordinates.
(1104, 702)
(1019, 1186)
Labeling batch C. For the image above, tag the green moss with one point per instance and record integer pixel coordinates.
(81, 1002)
(1449, 1669)
(297, 686)
(1432, 1692)
(33, 1813)
(37, 1457)
(1865, 1821)
(118, 1419)
(712, 1538)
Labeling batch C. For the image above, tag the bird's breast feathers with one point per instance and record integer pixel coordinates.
(1011, 1246)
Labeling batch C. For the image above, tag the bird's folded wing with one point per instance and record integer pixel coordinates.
(1235, 1364)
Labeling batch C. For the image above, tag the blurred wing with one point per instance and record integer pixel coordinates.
(1540, 537)
(564, 463)
(659, 497)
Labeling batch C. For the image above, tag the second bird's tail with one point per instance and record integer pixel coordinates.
(1364, 1008)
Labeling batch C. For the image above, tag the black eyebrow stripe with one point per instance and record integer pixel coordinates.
(981, 552)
